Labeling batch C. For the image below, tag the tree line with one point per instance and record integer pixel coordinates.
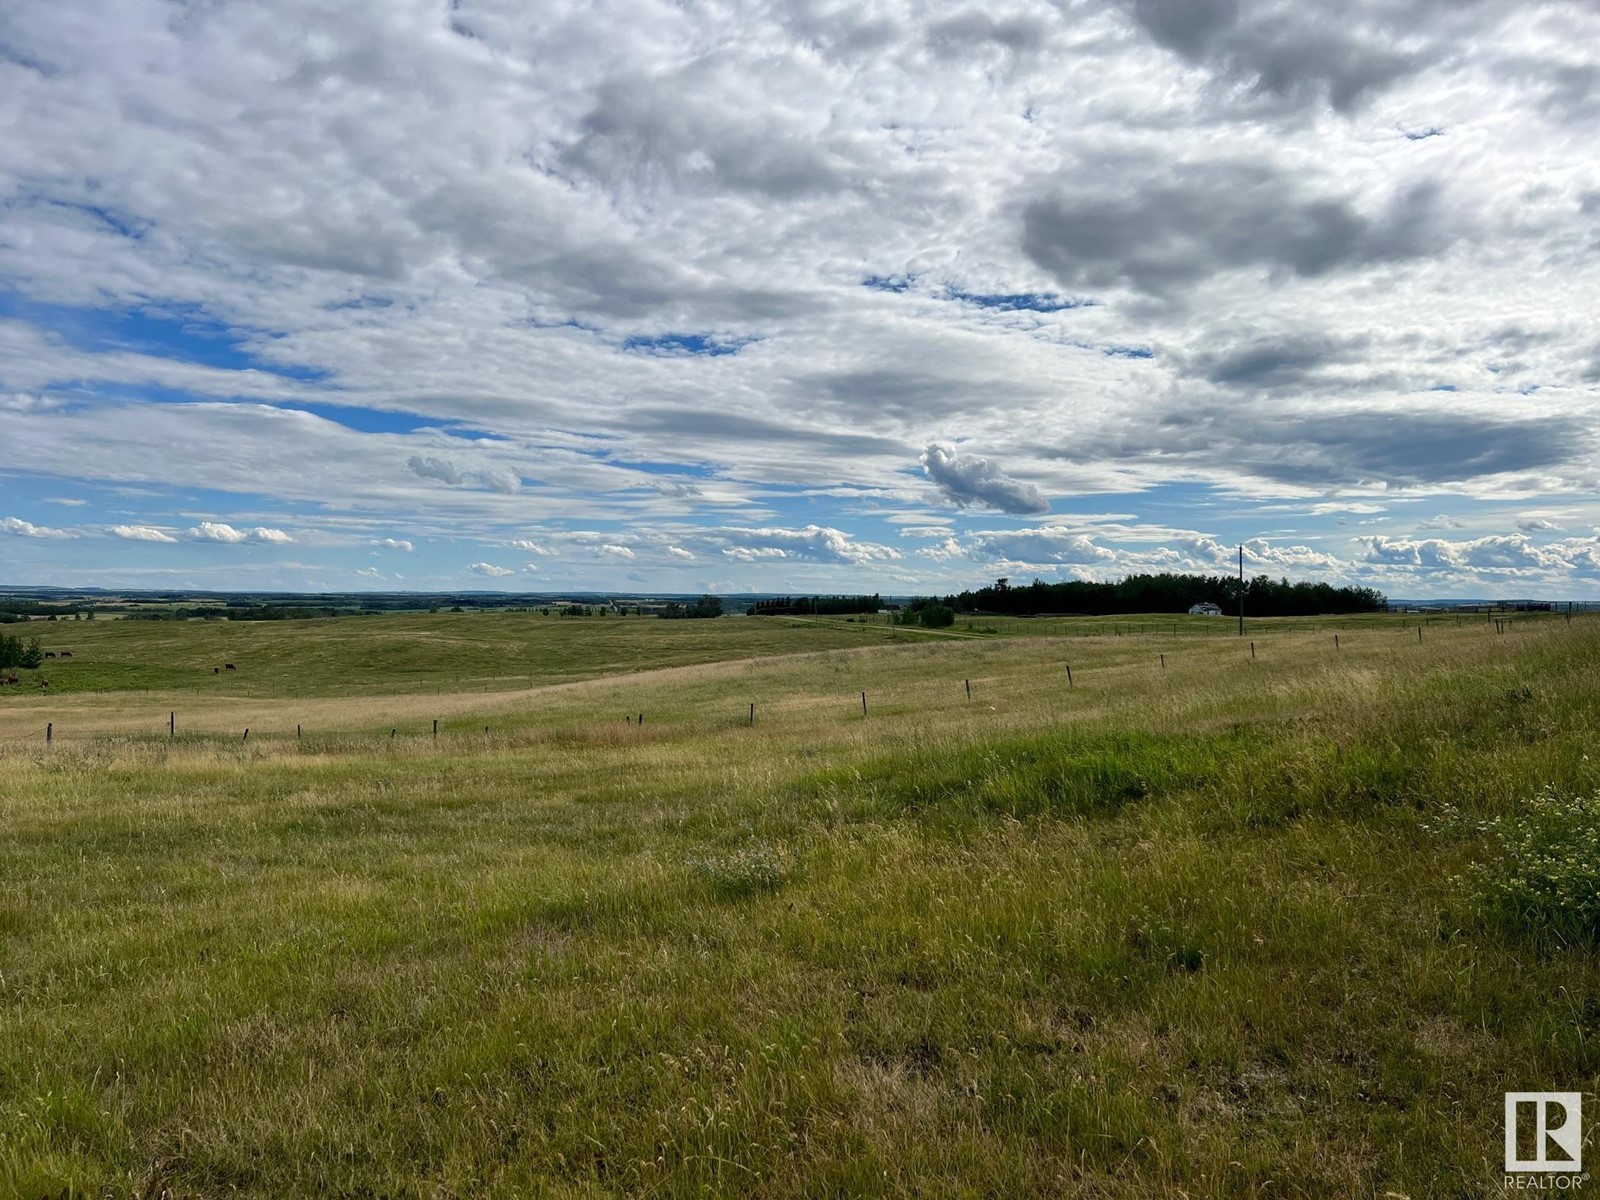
(821, 606)
(1166, 593)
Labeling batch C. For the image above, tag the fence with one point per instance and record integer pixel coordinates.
(171, 730)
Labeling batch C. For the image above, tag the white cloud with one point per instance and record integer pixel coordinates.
(680, 552)
(217, 531)
(141, 533)
(814, 543)
(490, 570)
(402, 544)
(612, 550)
(20, 528)
(530, 547)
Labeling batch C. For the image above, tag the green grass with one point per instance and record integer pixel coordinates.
(404, 652)
(1214, 930)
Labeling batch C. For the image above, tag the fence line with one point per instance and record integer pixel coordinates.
(1499, 626)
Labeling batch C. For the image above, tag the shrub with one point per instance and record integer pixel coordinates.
(1545, 882)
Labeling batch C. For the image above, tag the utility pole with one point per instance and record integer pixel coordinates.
(1241, 591)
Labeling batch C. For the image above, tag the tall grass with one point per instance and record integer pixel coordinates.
(1211, 931)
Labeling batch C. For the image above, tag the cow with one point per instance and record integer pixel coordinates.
(66, 654)
(44, 683)
(49, 653)
(216, 670)
(229, 667)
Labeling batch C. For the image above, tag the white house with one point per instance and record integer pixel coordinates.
(1205, 609)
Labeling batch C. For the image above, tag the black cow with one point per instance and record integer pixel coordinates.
(229, 667)
(49, 653)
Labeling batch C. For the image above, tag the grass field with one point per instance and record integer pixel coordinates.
(1286, 925)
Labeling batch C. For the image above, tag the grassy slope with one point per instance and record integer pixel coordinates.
(345, 656)
(1167, 931)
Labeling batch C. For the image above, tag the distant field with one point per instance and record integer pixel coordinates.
(342, 656)
(1217, 925)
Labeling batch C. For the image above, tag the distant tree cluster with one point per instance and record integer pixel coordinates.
(1167, 593)
(706, 606)
(17, 609)
(277, 612)
(927, 612)
(824, 606)
(14, 652)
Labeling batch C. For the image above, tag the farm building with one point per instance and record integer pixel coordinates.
(1205, 609)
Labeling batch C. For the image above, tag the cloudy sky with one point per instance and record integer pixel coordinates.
(695, 295)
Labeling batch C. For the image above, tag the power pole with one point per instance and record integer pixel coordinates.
(1241, 591)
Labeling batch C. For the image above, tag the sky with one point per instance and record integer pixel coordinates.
(698, 296)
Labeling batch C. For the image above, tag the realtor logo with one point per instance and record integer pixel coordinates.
(1544, 1131)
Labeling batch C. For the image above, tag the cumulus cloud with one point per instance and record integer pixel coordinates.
(613, 550)
(814, 543)
(1497, 553)
(1045, 545)
(489, 570)
(141, 533)
(214, 531)
(970, 479)
(402, 544)
(20, 528)
(530, 547)
(217, 531)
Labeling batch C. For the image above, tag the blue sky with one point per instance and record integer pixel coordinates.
(658, 297)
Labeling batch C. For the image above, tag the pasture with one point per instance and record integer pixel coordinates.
(1223, 926)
